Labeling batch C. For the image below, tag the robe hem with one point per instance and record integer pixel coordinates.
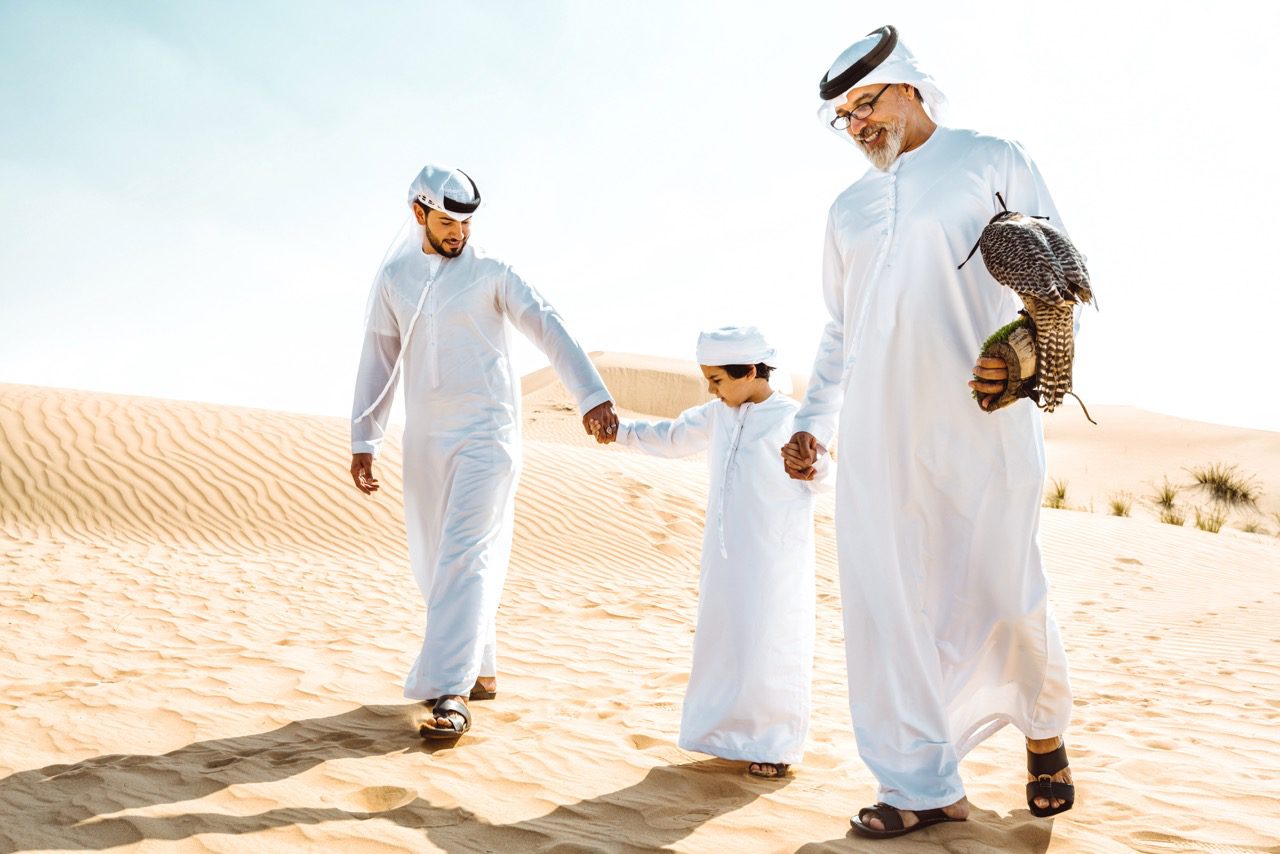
(897, 801)
(410, 694)
(791, 758)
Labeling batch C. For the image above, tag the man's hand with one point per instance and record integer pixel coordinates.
(362, 473)
(602, 423)
(799, 456)
(990, 376)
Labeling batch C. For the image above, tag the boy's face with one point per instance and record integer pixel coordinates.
(734, 392)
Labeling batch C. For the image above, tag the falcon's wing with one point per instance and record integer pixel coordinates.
(1019, 256)
(1074, 271)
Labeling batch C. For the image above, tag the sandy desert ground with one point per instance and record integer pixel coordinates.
(204, 626)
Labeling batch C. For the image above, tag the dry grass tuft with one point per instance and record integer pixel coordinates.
(1254, 526)
(1166, 501)
(1210, 520)
(1226, 486)
(1121, 503)
(1056, 497)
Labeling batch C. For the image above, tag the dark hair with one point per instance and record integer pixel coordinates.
(740, 371)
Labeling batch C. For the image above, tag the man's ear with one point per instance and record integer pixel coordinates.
(420, 213)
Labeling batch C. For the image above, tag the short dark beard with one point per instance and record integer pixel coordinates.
(439, 247)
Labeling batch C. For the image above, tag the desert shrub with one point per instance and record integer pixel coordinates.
(1121, 503)
(1226, 486)
(1253, 526)
(1210, 520)
(1056, 497)
(1165, 496)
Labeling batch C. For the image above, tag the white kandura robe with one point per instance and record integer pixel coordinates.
(748, 692)
(948, 630)
(461, 438)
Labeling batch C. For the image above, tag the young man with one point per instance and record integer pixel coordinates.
(438, 314)
(948, 630)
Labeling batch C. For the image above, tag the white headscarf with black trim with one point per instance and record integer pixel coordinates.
(445, 189)
(879, 58)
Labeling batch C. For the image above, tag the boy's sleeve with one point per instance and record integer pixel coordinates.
(688, 433)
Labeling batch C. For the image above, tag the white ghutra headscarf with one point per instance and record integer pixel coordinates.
(879, 58)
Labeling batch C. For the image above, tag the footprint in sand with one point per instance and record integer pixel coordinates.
(383, 798)
(644, 742)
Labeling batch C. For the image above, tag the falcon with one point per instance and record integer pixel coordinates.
(1043, 267)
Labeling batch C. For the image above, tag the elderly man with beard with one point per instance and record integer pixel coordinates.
(948, 629)
(438, 311)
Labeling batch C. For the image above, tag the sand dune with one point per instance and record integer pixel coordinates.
(204, 627)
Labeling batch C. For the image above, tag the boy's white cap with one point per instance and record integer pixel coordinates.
(734, 345)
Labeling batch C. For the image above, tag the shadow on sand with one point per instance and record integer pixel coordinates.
(72, 807)
(984, 833)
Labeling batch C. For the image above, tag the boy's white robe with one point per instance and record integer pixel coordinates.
(461, 438)
(748, 692)
(948, 630)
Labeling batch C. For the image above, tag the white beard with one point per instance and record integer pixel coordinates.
(889, 147)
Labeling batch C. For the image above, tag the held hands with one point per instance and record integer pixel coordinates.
(602, 423)
(362, 473)
(990, 376)
(799, 456)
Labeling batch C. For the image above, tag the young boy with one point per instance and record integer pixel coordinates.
(748, 693)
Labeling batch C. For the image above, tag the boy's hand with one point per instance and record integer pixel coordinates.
(799, 456)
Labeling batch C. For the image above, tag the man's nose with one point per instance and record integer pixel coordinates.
(856, 125)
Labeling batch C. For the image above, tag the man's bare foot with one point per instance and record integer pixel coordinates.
(1048, 745)
(959, 811)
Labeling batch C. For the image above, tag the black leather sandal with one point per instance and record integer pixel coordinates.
(891, 818)
(768, 770)
(444, 708)
(1043, 766)
(479, 693)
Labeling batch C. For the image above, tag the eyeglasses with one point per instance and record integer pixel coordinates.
(860, 112)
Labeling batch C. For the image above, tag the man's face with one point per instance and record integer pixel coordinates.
(880, 135)
(446, 235)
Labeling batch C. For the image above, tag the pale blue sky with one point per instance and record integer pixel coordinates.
(193, 195)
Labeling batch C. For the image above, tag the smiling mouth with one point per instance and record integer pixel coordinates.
(869, 139)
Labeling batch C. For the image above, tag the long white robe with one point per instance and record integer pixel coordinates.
(748, 692)
(461, 438)
(948, 630)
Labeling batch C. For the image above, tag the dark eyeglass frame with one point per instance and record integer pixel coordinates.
(861, 112)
